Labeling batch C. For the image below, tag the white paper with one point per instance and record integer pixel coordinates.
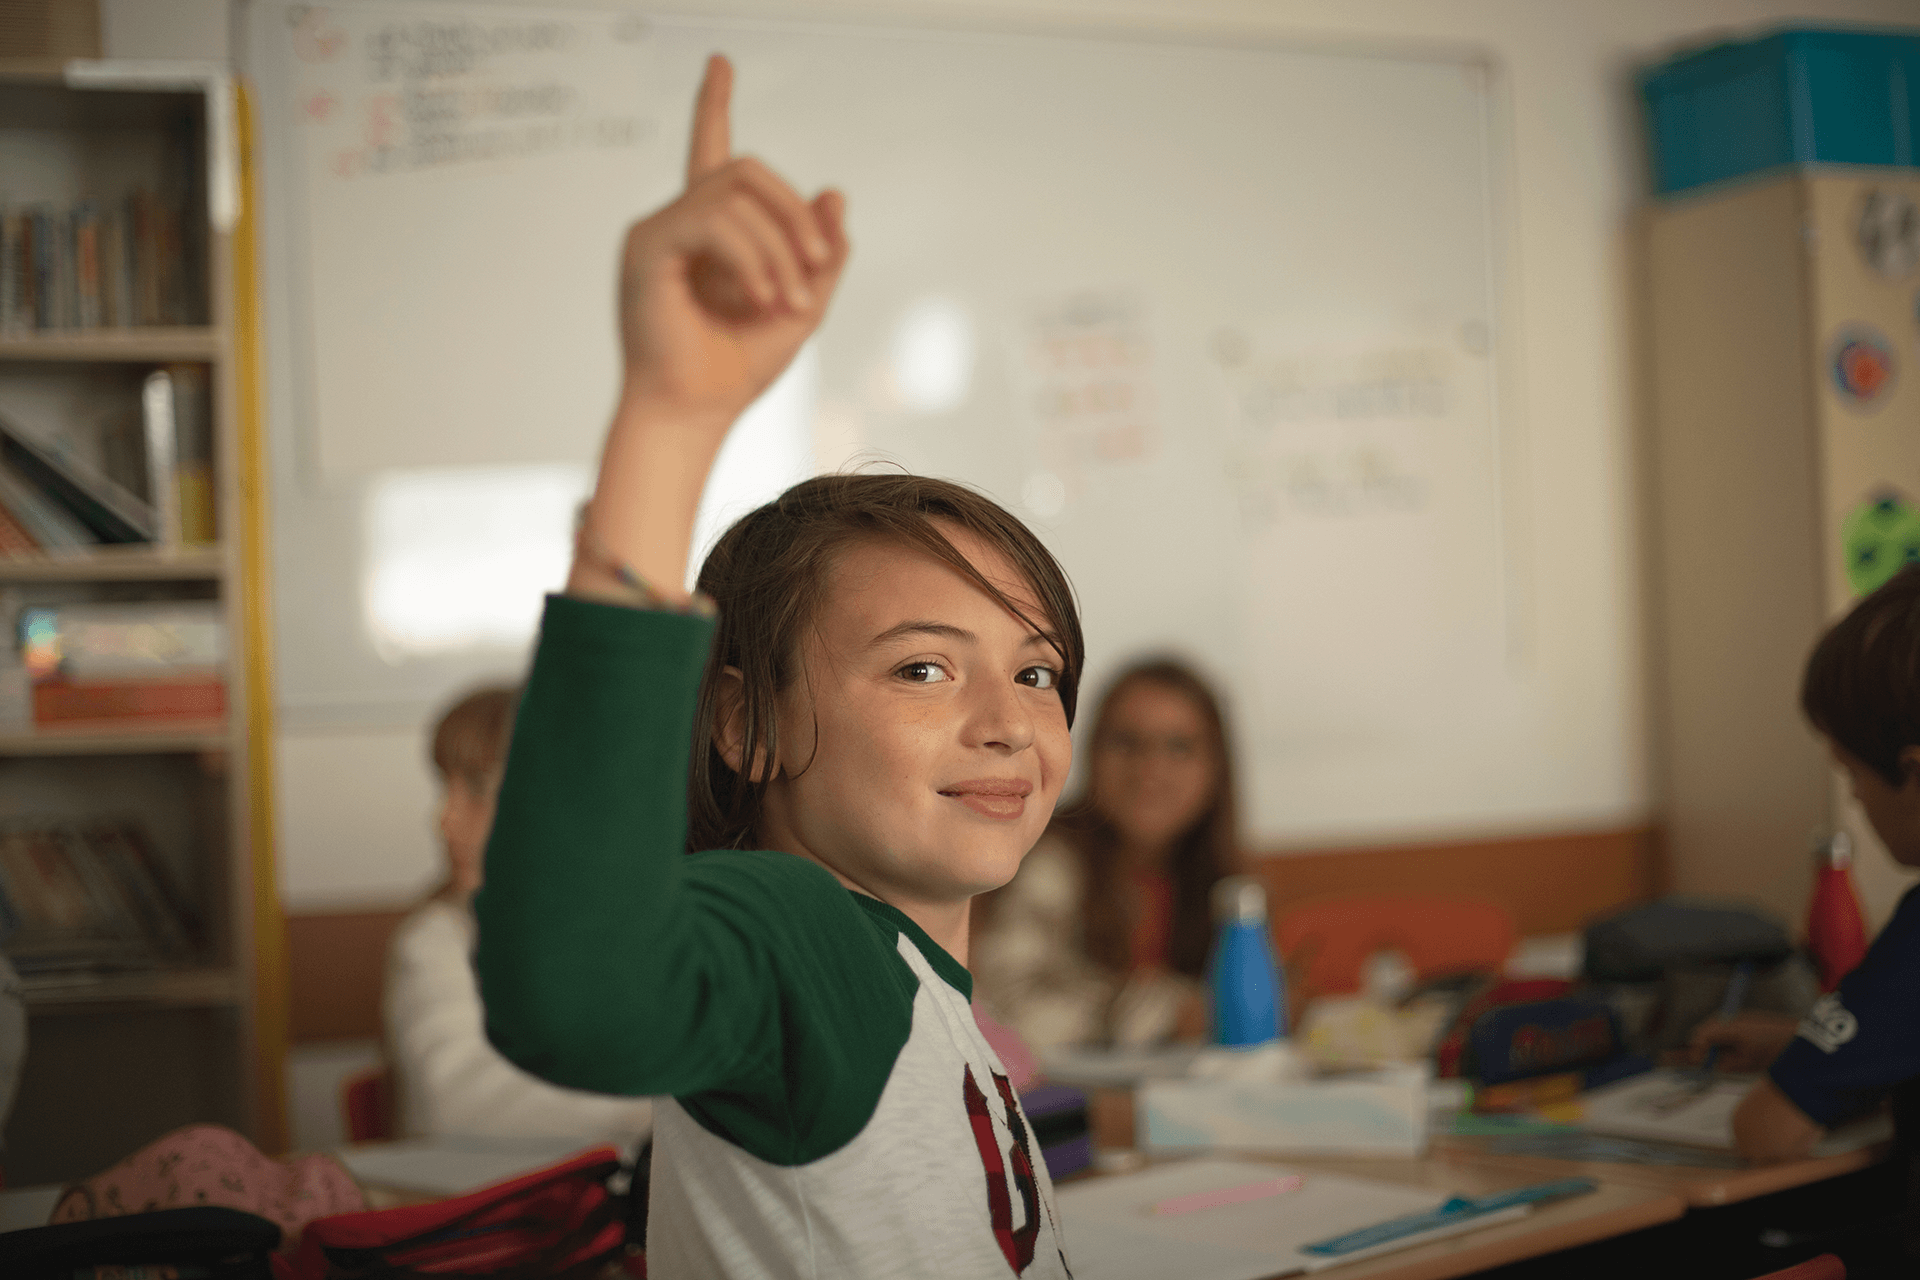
(1657, 1107)
(453, 1165)
(1113, 1235)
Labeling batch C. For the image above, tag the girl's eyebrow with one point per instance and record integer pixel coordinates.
(947, 631)
(944, 630)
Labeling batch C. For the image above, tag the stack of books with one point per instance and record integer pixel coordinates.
(98, 264)
(54, 500)
(86, 898)
(129, 665)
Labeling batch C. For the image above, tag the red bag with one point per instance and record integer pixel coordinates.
(562, 1221)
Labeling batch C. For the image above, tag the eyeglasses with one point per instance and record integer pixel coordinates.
(1137, 746)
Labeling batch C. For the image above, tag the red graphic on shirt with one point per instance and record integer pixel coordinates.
(1016, 1245)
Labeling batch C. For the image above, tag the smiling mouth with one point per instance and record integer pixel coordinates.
(992, 797)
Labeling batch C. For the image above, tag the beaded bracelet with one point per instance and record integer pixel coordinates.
(589, 550)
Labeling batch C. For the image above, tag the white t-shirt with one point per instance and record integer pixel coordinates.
(447, 1078)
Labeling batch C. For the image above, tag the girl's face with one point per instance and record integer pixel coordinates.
(924, 743)
(1155, 768)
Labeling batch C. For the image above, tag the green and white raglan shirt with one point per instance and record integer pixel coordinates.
(835, 1111)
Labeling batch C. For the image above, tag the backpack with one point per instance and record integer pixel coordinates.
(565, 1221)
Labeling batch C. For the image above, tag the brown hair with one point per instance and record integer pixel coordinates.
(1862, 686)
(768, 574)
(470, 742)
(1205, 852)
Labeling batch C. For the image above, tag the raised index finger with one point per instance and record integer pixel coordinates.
(712, 144)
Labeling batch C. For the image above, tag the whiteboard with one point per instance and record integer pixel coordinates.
(1218, 320)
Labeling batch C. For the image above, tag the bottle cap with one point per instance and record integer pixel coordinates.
(1239, 898)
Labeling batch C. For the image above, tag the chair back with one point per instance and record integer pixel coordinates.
(1325, 943)
(366, 1099)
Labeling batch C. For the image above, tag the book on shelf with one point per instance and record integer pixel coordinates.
(14, 538)
(105, 640)
(191, 480)
(87, 897)
(46, 521)
(160, 438)
(130, 702)
(58, 498)
(94, 265)
(125, 664)
(109, 511)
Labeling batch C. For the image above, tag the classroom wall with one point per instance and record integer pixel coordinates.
(1574, 179)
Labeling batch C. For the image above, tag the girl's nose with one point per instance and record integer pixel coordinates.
(1000, 718)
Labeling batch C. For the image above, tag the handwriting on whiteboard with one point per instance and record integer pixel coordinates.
(402, 90)
(1086, 360)
(1332, 433)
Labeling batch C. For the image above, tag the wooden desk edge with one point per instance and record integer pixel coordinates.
(1518, 1241)
(1735, 1185)
(1699, 1187)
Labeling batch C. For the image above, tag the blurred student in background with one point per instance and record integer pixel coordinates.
(1102, 937)
(447, 1078)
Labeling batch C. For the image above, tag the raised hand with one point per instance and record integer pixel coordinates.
(717, 292)
(719, 289)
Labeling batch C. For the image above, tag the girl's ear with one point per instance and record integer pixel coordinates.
(730, 717)
(730, 724)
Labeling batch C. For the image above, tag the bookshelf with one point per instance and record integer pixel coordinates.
(118, 1057)
(118, 564)
(205, 735)
(156, 345)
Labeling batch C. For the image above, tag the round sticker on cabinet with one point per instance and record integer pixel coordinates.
(1879, 538)
(1861, 366)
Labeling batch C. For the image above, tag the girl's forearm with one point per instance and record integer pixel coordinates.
(652, 471)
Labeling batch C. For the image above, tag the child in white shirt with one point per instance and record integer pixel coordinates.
(447, 1078)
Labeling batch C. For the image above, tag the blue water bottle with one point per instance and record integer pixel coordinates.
(1248, 994)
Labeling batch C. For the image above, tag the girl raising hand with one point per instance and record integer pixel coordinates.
(859, 722)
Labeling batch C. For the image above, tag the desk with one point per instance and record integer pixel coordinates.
(1616, 1209)
(1701, 1188)
(1111, 1117)
(1619, 1207)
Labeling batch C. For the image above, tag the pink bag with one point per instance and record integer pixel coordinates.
(209, 1164)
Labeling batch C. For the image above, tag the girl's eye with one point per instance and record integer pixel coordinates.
(1039, 678)
(923, 673)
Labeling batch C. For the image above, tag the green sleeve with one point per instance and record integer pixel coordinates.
(611, 960)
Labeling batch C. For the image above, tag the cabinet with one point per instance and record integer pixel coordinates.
(1782, 303)
(118, 1056)
(1761, 298)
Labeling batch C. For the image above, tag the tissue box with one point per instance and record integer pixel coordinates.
(1366, 1113)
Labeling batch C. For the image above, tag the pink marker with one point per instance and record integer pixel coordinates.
(1229, 1195)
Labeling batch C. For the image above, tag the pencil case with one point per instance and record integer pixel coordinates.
(1058, 1115)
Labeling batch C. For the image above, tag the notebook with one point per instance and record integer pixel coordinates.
(1669, 1106)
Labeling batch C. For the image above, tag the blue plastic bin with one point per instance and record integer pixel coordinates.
(1797, 97)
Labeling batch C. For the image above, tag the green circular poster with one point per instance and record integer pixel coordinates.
(1880, 537)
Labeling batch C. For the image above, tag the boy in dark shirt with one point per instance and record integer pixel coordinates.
(1860, 1044)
